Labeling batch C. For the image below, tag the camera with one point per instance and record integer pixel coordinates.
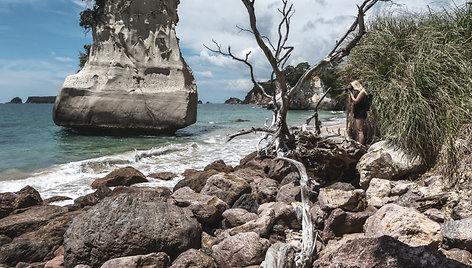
(349, 88)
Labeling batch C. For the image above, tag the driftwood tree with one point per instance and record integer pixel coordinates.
(279, 139)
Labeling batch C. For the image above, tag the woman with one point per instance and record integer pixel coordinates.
(359, 108)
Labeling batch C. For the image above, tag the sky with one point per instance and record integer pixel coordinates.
(40, 40)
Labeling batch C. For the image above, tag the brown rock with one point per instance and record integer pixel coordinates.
(4, 240)
(220, 166)
(227, 187)
(460, 255)
(341, 222)
(195, 179)
(56, 199)
(160, 260)
(261, 225)
(330, 199)
(158, 193)
(207, 209)
(385, 252)
(26, 197)
(237, 216)
(91, 199)
(250, 174)
(247, 202)
(318, 216)
(405, 224)
(241, 250)
(165, 176)
(193, 258)
(121, 177)
(279, 169)
(289, 193)
(30, 265)
(264, 189)
(57, 262)
(285, 215)
(247, 158)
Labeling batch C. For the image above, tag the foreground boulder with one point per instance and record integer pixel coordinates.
(458, 234)
(121, 177)
(130, 224)
(385, 252)
(226, 187)
(240, 250)
(386, 162)
(405, 224)
(135, 80)
(160, 260)
(26, 197)
(193, 258)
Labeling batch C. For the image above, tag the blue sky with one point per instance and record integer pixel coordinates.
(40, 40)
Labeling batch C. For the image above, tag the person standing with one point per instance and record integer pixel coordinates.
(358, 95)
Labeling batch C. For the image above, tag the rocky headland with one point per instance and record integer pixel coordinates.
(15, 100)
(43, 99)
(135, 80)
(305, 99)
(371, 207)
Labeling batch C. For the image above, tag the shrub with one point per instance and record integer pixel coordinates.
(418, 66)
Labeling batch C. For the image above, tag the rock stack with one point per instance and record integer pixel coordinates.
(135, 80)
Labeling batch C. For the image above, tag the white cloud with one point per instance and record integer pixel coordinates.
(64, 59)
(205, 74)
(239, 85)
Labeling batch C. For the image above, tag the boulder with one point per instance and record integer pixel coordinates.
(195, 179)
(135, 80)
(404, 224)
(291, 177)
(92, 198)
(340, 222)
(434, 214)
(120, 177)
(330, 199)
(240, 250)
(261, 225)
(41, 99)
(264, 189)
(220, 166)
(247, 202)
(193, 258)
(458, 234)
(383, 161)
(279, 169)
(318, 216)
(130, 224)
(378, 188)
(56, 199)
(160, 260)
(385, 252)
(30, 220)
(161, 193)
(289, 193)
(165, 176)
(227, 187)
(207, 209)
(24, 198)
(284, 214)
(280, 255)
(57, 262)
(460, 255)
(38, 244)
(237, 216)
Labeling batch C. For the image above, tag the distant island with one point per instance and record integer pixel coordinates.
(45, 99)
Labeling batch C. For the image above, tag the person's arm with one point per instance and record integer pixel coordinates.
(359, 96)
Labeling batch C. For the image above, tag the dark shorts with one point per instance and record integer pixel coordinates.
(360, 114)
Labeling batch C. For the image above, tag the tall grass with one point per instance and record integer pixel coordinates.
(418, 66)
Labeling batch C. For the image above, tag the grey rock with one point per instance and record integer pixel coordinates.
(130, 224)
(92, 198)
(247, 202)
(435, 215)
(264, 189)
(165, 176)
(237, 216)
(457, 234)
(280, 255)
(15, 100)
(135, 80)
(121, 177)
(193, 258)
(41, 99)
(207, 209)
(340, 222)
(233, 100)
(385, 252)
(227, 187)
(405, 224)
(240, 250)
(383, 161)
(24, 198)
(330, 199)
(289, 193)
(160, 260)
(261, 225)
(285, 214)
(195, 179)
(460, 255)
(291, 177)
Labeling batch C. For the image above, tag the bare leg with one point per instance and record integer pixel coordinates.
(360, 130)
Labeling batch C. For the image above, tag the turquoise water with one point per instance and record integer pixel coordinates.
(33, 150)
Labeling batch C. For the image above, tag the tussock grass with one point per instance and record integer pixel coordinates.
(419, 68)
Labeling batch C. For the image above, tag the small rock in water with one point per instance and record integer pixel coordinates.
(121, 177)
(165, 176)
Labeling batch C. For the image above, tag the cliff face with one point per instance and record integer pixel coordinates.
(47, 99)
(305, 99)
(135, 79)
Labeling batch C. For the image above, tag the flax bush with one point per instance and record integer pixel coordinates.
(418, 66)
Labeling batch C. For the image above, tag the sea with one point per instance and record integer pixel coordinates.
(59, 162)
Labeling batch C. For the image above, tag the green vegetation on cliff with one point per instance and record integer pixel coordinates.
(418, 66)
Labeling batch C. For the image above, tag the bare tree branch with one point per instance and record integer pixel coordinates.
(252, 130)
(264, 37)
(315, 115)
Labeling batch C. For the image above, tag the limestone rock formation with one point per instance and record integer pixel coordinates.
(135, 80)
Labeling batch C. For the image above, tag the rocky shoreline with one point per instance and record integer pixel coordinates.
(371, 207)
